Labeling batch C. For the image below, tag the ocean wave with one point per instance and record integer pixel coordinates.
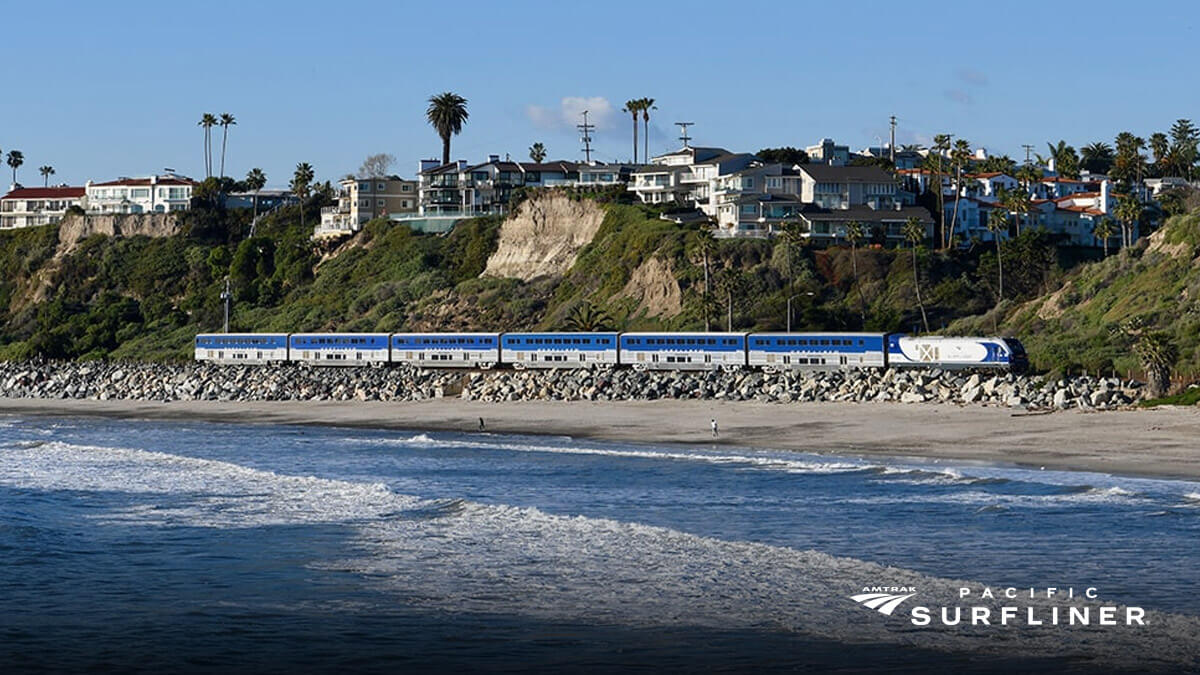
(466, 557)
(1192, 498)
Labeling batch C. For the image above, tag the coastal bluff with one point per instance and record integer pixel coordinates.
(543, 237)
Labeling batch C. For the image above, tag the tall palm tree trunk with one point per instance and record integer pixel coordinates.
(635, 146)
(445, 150)
(224, 139)
(707, 291)
(1000, 267)
(646, 138)
(862, 298)
(954, 218)
(917, 286)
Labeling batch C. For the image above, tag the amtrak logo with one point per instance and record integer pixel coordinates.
(884, 599)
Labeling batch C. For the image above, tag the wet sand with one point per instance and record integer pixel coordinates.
(1163, 442)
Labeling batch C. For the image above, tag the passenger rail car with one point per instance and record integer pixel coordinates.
(816, 351)
(558, 350)
(683, 351)
(339, 349)
(248, 348)
(447, 350)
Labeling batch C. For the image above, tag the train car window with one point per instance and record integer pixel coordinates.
(824, 342)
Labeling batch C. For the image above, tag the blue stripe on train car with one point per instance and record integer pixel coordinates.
(841, 343)
(576, 342)
(351, 341)
(241, 341)
(660, 342)
(443, 341)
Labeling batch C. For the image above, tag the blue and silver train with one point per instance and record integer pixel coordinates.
(771, 352)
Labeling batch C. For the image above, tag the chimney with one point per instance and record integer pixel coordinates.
(493, 158)
(1104, 196)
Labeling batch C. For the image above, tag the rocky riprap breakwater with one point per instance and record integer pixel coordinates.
(194, 381)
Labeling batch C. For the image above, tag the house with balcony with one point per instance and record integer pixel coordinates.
(687, 177)
(30, 207)
(154, 194)
(361, 200)
(461, 190)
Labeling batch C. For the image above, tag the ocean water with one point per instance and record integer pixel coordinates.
(133, 546)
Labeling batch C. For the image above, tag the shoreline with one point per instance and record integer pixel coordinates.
(1151, 443)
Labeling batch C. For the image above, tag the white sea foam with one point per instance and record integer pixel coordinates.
(460, 556)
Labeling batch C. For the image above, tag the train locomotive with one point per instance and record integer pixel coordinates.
(771, 352)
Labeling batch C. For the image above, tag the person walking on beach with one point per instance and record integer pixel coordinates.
(481, 426)
(713, 422)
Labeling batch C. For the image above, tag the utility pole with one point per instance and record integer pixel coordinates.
(892, 147)
(683, 135)
(586, 129)
(226, 297)
(1028, 149)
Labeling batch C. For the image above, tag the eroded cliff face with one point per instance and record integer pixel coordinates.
(543, 237)
(75, 229)
(655, 289)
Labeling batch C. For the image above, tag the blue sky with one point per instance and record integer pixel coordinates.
(99, 90)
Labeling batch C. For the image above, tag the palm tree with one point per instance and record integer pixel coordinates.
(15, 159)
(935, 162)
(731, 282)
(959, 155)
(226, 121)
(300, 184)
(1066, 161)
(1155, 351)
(914, 232)
(1128, 212)
(1018, 202)
(633, 106)
(46, 172)
(447, 112)
(537, 152)
(208, 121)
(1097, 157)
(996, 224)
(647, 104)
(706, 243)
(854, 234)
(256, 180)
(587, 318)
(1161, 148)
(1104, 231)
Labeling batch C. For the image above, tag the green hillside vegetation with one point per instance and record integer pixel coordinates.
(143, 298)
(1083, 323)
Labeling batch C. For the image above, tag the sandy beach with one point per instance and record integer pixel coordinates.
(1162, 442)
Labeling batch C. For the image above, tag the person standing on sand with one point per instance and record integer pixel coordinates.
(481, 427)
(713, 422)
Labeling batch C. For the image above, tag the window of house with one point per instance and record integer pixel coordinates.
(406, 188)
(774, 182)
(380, 202)
(748, 209)
(381, 186)
(364, 187)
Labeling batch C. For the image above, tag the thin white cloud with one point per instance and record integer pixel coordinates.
(569, 113)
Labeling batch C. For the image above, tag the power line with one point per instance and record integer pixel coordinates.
(683, 131)
(586, 130)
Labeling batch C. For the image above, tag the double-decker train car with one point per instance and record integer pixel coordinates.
(247, 348)
(447, 350)
(816, 351)
(956, 352)
(771, 352)
(683, 351)
(339, 349)
(558, 350)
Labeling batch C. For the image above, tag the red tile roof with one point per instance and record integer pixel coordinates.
(46, 193)
(1081, 209)
(1078, 195)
